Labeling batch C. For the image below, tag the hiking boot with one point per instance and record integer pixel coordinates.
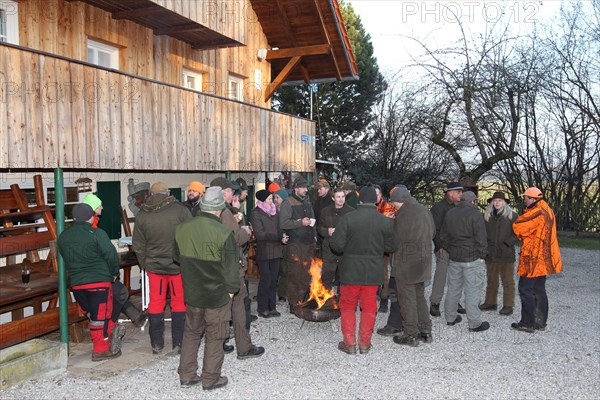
(456, 321)
(506, 310)
(264, 314)
(389, 331)
(116, 338)
(488, 307)
(227, 348)
(274, 313)
(105, 355)
(255, 351)
(383, 306)
(539, 327)
(364, 349)
(190, 383)
(519, 326)
(406, 340)
(461, 309)
(483, 327)
(176, 350)
(157, 349)
(222, 381)
(434, 310)
(346, 349)
(139, 322)
(426, 337)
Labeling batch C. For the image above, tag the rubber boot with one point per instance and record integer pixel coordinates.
(134, 314)
(177, 324)
(157, 332)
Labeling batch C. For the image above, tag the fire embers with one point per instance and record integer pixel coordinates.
(320, 303)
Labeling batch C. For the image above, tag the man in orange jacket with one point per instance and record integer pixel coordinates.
(540, 256)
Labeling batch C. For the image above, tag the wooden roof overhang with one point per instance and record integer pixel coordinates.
(308, 40)
(165, 22)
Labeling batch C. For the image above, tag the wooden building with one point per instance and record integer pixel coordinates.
(162, 85)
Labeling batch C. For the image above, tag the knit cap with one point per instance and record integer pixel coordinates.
(367, 194)
(82, 212)
(212, 200)
(92, 200)
(196, 186)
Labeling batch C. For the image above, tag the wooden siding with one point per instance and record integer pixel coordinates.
(62, 28)
(57, 112)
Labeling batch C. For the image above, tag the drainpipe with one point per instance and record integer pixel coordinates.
(228, 175)
(59, 193)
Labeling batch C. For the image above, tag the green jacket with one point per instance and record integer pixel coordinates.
(209, 259)
(363, 236)
(89, 254)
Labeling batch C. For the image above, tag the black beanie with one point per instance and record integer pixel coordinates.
(262, 194)
(368, 194)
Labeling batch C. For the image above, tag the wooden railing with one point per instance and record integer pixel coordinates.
(61, 112)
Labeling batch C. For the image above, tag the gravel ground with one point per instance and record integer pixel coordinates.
(561, 362)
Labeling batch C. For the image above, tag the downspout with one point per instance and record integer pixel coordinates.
(63, 310)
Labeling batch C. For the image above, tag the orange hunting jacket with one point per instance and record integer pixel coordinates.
(536, 228)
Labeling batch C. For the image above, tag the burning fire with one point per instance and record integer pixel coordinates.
(319, 293)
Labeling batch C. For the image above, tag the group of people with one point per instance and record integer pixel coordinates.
(195, 255)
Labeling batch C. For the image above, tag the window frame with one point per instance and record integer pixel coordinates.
(112, 51)
(194, 74)
(239, 93)
(10, 21)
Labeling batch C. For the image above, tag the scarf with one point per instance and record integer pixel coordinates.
(263, 206)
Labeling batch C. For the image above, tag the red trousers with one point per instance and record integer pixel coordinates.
(158, 293)
(96, 301)
(350, 296)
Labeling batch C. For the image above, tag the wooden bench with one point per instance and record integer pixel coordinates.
(20, 234)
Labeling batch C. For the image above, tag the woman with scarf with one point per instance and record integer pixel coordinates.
(499, 218)
(269, 250)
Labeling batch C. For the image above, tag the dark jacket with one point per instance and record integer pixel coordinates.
(193, 208)
(329, 219)
(363, 236)
(438, 211)
(463, 233)
(501, 239)
(267, 233)
(415, 229)
(352, 199)
(293, 210)
(154, 233)
(89, 254)
(321, 203)
(209, 259)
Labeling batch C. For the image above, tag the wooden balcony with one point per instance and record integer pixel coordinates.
(61, 112)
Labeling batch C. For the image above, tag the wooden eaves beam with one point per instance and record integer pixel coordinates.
(285, 23)
(298, 51)
(173, 30)
(281, 77)
(338, 73)
(139, 12)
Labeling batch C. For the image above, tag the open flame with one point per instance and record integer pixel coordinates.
(318, 292)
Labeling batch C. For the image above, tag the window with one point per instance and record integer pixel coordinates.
(102, 54)
(192, 80)
(9, 22)
(236, 88)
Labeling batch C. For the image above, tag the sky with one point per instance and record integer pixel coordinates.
(390, 22)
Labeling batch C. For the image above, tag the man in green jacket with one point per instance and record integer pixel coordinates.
(362, 236)
(209, 259)
(93, 266)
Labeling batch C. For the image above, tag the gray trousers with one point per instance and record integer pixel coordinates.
(467, 276)
(243, 342)
(439, 279)
(413, 307)
(213, 323)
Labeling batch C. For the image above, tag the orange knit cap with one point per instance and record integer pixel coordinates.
(273, 187)
(196, 186)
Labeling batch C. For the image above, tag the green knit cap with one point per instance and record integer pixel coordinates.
(93, 201)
